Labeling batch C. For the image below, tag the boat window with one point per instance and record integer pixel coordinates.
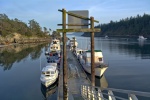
(52, 72)
(56, 47)
(100, 59)
(43, 72)
(80, 52)
(54, 42)
(47, 72)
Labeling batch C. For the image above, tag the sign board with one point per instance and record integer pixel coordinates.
(75, 20)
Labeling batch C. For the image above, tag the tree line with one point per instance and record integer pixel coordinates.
(8, 26)
(133, 26)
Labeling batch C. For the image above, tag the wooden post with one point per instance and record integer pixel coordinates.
(64, 30)
(92, 53)
(65, 71)
(74, 45)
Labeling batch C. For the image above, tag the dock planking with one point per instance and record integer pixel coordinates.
(76, 77)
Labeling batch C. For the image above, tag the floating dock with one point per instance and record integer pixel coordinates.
(76, 77)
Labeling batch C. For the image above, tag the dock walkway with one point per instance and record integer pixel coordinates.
(76, 77)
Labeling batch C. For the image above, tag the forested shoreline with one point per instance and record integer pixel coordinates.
(9, 26)
(16, 31)
(129, 27)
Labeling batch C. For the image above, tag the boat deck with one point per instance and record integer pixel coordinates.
(76, 77)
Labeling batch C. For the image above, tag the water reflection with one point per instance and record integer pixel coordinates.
(133, 49)
(99, 82)
(47, 92)
(122, 46)
(141, 43)
(16, 53)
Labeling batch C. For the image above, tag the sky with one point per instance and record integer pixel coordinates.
(46, 13)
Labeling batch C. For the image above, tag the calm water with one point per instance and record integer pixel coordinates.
(20, 73)
(129, 63)
(129, 68)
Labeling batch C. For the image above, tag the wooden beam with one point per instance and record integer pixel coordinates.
(74, 24)
(79, 30)
(92, 53)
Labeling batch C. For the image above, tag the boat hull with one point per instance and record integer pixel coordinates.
(99, 71)
(47, 83)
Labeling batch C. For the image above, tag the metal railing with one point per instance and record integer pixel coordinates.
(95, 93)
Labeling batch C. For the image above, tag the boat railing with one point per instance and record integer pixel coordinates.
(96, 93)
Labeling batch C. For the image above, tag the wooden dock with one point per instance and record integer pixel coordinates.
(76, 77)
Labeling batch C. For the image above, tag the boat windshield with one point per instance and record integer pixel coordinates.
(47, 72)
(54, 42)
(52, 72)
(88, 59)
(100, 59)
(80, 52)
(43, 73)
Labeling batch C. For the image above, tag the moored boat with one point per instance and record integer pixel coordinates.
(73, 42)
(46, 52)
(141, 38)
(55, 45)
(85, 60)
(78, 52)
(106, 37)
(54, 56)
(49, 74)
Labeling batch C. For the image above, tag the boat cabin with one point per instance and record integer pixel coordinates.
(49, 71)
(78, 51)
(55, 41)
(54, 47)
(98, 56)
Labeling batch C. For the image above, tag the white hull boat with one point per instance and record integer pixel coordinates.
(55, 45)
(78, 52)
(54, 57)
(49, 74)
(141, 38)
(99, 71)
(71, 43)
(46, 53)
(85, 60)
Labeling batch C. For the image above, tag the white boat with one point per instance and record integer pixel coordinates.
(141, 38)
(85, 60)
(54, 56)
(106, 36)
(71, 43)
(49, 74)
(78, 52)
(55, 45)
(55, 41)
(46, 52)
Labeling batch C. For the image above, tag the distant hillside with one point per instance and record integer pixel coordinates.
(133, 26)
